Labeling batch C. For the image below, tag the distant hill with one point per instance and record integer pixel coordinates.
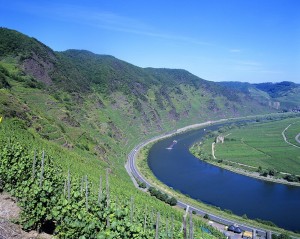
(95, 108)
(283, 95)
(277, 89)
(103, 105)
(99, 103)
(81, 83)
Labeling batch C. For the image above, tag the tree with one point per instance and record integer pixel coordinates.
(272, 172)
(172, 201)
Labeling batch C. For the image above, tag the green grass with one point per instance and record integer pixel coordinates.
(260, 145)
(143, 167)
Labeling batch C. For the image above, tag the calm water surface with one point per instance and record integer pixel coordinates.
(179, 169)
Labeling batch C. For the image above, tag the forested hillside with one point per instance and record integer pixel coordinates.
(283, 96)
(87, 110)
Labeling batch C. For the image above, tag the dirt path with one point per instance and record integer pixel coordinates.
(297, 138)
(285, 139)
(213, 150)
(10, 211)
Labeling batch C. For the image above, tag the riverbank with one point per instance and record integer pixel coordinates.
(147, 173)
(250, 173)
(256, 151)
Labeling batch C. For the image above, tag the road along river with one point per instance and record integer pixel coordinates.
(179, 169)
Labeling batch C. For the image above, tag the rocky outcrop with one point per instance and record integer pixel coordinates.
(38, 68)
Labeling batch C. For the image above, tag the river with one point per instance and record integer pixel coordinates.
(179, 169)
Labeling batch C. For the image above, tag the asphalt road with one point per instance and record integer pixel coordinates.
(220, 222)
(135, 174)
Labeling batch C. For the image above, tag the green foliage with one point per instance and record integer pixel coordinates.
(269, 223)
(162, 196)
(292, 178)
(17, 178)
(270, 93)
(39, 187)
(264, 173)
(3, 80)
(281, 236)
(258, 145)
(277, 89)
(68, 207)
(98, 107)
(13, 42)
(228, 211)
(142, 184)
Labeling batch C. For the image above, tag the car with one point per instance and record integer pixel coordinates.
(235, 229)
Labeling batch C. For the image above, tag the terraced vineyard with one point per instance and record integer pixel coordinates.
(70, 205)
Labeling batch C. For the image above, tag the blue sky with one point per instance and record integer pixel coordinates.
(217, 40)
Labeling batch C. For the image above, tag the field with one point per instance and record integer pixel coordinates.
(291, 133)
(261, 145)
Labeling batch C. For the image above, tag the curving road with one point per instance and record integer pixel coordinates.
(135, 174)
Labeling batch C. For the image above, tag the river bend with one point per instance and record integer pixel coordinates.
(179, 169)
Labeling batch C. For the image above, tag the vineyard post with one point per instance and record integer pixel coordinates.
(33, 164)
(157, 225)
(131, 209)
(42, 169)
(184, 227)
(191, 226)
(107, 189)
(167, 227)
(69, 185)
(172, 226)
(145, 222)
(152, 216)
(107, 198)
(65, 187)
(100, 190)
(86, 193)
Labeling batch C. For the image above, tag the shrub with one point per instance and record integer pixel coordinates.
(291, 178)
(264, 173)
(162, 196)
(269, 223)
(142, 184)
(172, 201)
(228, 211)
(272, 172)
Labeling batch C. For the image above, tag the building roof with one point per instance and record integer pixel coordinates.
(247, 234)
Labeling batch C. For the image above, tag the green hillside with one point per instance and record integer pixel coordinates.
(283, 96)
(87, 111)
